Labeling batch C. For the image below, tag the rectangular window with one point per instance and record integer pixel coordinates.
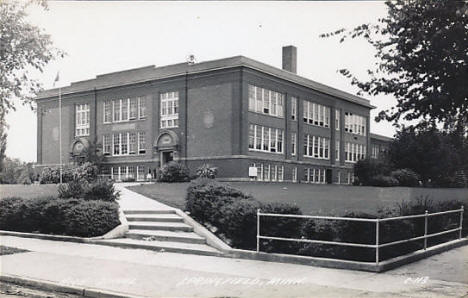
(169, 109)
(133, 108)
(273, 172)
(337, 150)
(293, 143)
(266, 173)
(124, 143)
(326, 111)
(280, 173)
(116, 143)
(116, 109)
(140, 173)
(265, 101)
(294, 175)
(293, 108)
(265, 139)
(141, 142)
(316, 147)
(355, 124)
(82, 120)
(108, 111)
(337, 119)
(106, 144)
(131, 172)
(316, 114)
(141, 108)
(125, 104)
(132, 143)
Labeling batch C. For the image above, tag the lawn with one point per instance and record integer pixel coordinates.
(27, 191)
(312, 199)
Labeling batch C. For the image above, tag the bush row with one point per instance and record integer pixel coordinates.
(49, 215)
(87, 171)
(374, 172)
(232, 215)
(102, 190)
(177, 172)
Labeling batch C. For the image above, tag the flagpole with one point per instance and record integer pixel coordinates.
(60, 131)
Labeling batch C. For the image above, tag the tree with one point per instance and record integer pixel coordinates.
(23, 48)
(432, 154)
(3, 140)
(422, 53)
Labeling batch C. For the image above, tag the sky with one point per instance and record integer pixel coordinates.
(102, 37)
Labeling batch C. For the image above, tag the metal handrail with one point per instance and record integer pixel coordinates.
(377, 222)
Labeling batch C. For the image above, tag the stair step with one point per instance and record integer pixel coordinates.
(165, 226)
(186, 237)
(199, 249)
(162, 211)
(155, 217)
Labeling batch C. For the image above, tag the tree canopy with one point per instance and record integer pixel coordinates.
(422, 60)
(24, 48)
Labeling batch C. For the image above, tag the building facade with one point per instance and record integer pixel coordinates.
(251, 120)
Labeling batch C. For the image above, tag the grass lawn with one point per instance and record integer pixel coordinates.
(312, 199)
(6, 250)
(28, 191)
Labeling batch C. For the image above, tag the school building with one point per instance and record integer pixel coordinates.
(251, 120)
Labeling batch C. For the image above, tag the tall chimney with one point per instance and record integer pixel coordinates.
(290, 58)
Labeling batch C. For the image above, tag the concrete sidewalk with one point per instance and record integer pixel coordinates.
(130, 200)
(155, 274)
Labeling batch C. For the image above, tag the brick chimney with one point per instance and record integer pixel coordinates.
(290, 58)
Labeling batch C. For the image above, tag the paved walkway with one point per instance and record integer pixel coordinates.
(156, 274)
(130, 200)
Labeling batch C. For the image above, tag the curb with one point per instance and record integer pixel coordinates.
(52, 286)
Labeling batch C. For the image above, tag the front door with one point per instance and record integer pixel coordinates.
(166, 156)
(329, 176)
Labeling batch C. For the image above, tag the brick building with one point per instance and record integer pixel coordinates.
(240, 115)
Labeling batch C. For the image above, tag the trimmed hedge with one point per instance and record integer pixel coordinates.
(86, 171)
(232, 215)
(49, 215)
(102, 190)
(173, 172)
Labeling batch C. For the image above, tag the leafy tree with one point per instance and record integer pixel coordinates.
(430, 153)
(3, 141)
(23, 48)
(422, 53)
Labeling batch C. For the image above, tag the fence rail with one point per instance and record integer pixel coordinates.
(377, 222)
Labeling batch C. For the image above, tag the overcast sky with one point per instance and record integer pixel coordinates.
(102, 37)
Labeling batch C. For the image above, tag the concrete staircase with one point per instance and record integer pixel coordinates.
(162, 230)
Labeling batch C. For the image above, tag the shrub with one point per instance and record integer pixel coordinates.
(102, 190)
(72, 217)
(72, 189)
(366, 169)
(205, 197)
(406, 177)
(87, 171)
(128, 179)
(384, 181)
(207, 171)
(173, 172)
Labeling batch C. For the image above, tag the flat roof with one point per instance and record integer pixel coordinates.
(151, 73)
(381, 137)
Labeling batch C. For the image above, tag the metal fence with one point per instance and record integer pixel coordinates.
(376, 221)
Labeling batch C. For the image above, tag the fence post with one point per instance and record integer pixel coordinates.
(425, 229)
(461, 220)
(258, 230)
(377, 241)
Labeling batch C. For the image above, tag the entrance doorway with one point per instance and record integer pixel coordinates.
(166, 156)
(329, 176)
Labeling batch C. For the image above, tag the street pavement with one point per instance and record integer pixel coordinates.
(160, 274)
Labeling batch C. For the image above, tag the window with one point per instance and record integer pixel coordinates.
(314, 175)
(133, 108)
(355, 124)
(106, 144)
(316, 147)
(274, 170)
(124, 143)
(293, 108)
(141, 142)
(108, 111)
(140, 173)
(293, 143)
(294, 175)
(354, 152)
(280, 174)
(82, 120)
(337, 150)
(132, 143)
(316, 114)
(124, 113)
(116, 142)
(131, 172)
(265, 101)
(141, 108)
(265, 139)
(117, 110)
(169, 109)
(337, 119)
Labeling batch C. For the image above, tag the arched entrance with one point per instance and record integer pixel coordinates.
(166, 146)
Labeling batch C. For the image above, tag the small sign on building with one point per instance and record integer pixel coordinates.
(252, 172)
